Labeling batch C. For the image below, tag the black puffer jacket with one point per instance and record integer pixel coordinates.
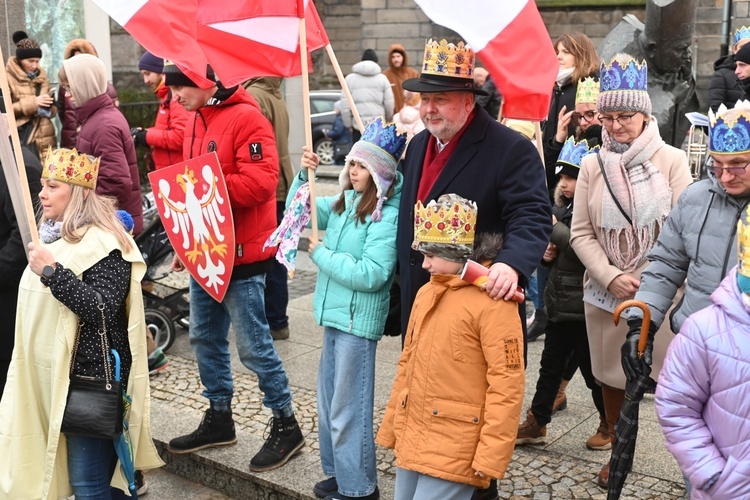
(561, 96)
(563, 296)
(723, 88)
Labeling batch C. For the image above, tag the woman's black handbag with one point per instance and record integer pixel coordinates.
(94, 407)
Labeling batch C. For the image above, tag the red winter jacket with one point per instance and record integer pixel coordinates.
(232, 128)
(105, 134)
(166, 136)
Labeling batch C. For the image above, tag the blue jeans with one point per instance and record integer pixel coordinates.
(542, 273)
(91, 463)
(414, 485)
(209, 337)
(532, 293)
(346, 394)
(277, 291)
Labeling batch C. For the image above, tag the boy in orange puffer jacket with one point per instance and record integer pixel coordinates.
(460, 379)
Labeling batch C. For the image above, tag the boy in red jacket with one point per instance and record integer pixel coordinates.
(229, 122)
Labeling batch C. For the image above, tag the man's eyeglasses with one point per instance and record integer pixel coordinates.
(719, 171)
(588, 116)
(622, 119)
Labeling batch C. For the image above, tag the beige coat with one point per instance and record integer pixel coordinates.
(23, 92)
(33, 451)
(605, 339)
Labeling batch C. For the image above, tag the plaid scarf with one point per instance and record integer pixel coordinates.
(643, 192)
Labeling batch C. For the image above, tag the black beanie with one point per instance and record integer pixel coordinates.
(743, 54)
(173, 76)
(26, 47)
(369, 55)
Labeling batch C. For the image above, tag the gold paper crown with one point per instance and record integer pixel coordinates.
(449, 60)
(70, 166)
(587, 91)
(447, 224)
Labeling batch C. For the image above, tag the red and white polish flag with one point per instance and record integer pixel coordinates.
(511, 40)
(166, 28)
(240, 40)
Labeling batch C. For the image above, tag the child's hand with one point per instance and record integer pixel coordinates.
(309, 159)
(480, 474)
(312, 244)
(551, 253)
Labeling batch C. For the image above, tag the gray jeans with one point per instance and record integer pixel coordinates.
(414, 485)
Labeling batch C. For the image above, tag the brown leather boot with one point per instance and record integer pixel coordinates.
(530, 432)
(602, 440)
(602, 479)
(613, 399)
(561, 400)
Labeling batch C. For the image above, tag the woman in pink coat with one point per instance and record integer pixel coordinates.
(703, 396)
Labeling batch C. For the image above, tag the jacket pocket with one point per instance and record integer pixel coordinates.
(734, 481)
(399, 414)
(464, 341)
(454, 428)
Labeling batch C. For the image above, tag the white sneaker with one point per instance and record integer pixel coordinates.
(530, 319)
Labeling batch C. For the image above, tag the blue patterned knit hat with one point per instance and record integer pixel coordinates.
(379, 150)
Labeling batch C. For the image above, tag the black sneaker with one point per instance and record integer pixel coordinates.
(216, 429)
(375, 495)
(326, 487)
(538, 327)
(284, 441)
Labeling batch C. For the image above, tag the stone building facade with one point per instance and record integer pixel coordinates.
(354, 25)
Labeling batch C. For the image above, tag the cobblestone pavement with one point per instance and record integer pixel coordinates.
(534, 473)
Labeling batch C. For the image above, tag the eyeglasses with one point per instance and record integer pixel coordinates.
(622, 119)
(587, 116)
(719, 171)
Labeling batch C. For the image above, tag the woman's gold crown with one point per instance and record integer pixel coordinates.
(70, 166)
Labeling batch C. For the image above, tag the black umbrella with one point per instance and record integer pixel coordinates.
(626, 428)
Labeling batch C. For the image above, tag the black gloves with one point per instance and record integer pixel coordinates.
(139, 137)
(631, 365)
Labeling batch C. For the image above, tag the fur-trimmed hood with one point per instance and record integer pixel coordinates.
(79, 46)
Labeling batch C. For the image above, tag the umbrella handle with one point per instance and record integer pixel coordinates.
(646, 321)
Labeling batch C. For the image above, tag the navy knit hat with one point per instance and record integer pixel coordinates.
(150, 62)
(173, 76)
(26, 47)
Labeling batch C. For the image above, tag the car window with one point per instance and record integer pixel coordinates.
(322, 105)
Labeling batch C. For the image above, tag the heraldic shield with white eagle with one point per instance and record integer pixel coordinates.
(193, 204)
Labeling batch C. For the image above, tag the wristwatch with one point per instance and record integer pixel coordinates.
(48, 271)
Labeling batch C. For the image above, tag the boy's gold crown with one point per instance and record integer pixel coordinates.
(452, 224)
(446, 59)
(70, 166)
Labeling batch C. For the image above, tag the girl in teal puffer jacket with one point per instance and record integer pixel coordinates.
(356, 264)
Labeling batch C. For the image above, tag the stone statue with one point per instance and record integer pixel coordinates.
(664, 42)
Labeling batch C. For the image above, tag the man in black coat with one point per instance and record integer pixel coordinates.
(12, 260)
(465, 151)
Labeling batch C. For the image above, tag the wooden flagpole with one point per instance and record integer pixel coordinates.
(18, 184)
(344, 86)
(306, 112)
(538, 133)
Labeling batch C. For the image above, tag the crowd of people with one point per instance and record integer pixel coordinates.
(607, 212)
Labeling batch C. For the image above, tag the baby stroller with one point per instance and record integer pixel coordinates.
(165, 295)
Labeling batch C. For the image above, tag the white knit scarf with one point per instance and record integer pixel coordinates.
(643, 192)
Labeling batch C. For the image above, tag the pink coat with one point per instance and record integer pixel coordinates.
(703, 396)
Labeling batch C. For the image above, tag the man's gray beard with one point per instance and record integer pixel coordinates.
(449, 130)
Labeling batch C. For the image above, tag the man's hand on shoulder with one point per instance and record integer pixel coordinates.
(502, 281)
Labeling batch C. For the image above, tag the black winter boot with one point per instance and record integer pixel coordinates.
(538, 327)
(216, 429)
(284, 441)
